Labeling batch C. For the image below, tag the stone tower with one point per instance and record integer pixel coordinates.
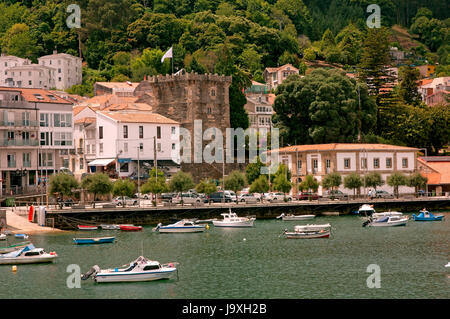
(185, 98)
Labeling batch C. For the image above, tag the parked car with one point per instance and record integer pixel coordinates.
(383, 194)
(335, 194)
(167, 197)
(188, 198)
(308, 196)
(232, 195)
(248, 198)
(142, 196)
(119, 200)
(278, 197)
(218, 196)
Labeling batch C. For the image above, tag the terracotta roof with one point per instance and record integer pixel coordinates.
(438, 171)
(128, 106)
(116, 85)
(86, 120)
(106, 100)
(344, 147)
(37, 95)
(282, 67)
(138, 117)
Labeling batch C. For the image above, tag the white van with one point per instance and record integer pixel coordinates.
(232, 195)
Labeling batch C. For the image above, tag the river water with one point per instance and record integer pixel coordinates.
(251, 263)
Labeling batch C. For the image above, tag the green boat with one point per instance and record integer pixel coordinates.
(8, 249)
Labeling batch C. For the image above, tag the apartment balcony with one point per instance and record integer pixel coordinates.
(72, 151)
(19, 123)
(15, 104)
(8, 143)
(80, 150)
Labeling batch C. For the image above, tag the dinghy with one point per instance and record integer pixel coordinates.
(309, 232)
(98, 240)
(87, 227)
(291, 217)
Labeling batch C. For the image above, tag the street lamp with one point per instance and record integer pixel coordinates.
(426, 170)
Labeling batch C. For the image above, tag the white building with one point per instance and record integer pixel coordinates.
(6, 62)
(30, 76)
(321, 159)
(124, 137)
(68, 69)
(58, 70)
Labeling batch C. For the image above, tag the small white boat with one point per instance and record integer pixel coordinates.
(386, 221)
(384, 214)
(27, 255)
(22, 236)
(309, 231)
(183, 226)
(141, 269)
(2, 237)
(366, 210)
(230, 219)
(110, 227)
(290, 217)
(448, 264)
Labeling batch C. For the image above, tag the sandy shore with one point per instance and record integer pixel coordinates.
(20, 224)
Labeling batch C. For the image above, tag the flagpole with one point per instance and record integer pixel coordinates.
(172, 59)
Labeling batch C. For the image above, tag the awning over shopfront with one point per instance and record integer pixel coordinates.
(101, 162)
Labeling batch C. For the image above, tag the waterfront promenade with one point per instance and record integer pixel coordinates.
(143, 214)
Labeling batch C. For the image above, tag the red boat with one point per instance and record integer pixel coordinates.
(86, 227)
(130, 228)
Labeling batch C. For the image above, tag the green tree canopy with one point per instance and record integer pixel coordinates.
(124, 187)
(395, 180)
(332, 180)
(259, 185)
(235, 181)
(309, 183)
(417, 181)
(62, 184)
(97, 184)
(322, 107)
(373, 179)
(181, 182)
(353, 181)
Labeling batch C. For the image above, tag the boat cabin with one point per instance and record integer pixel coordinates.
(34, 252)
(366, 210)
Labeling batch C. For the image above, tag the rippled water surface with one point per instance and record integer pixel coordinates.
(221, 264)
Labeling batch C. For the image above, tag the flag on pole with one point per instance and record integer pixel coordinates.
(168, 54)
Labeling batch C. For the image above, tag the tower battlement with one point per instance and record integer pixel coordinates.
(185, 76)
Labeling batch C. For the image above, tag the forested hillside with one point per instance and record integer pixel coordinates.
(123, 40)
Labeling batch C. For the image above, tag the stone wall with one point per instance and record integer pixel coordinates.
(185, 98)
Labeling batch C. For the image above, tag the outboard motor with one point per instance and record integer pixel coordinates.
(157, 227)
(95, 269)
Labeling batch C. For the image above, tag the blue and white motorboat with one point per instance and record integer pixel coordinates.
(386, 221)
(27, 255)
(22, 236)
(94, 240)
(142, 269)
(183, 226)
(426, 216)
